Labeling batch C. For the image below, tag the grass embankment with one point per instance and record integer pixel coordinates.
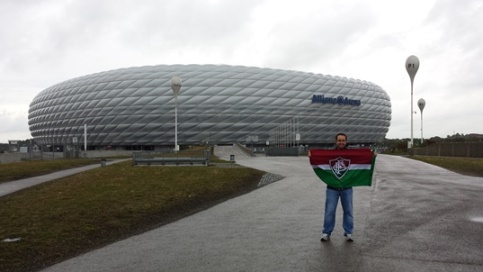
(27, 169)
(63, 218)
(465, 166)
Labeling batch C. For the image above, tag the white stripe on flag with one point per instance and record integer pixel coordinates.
(351, 167)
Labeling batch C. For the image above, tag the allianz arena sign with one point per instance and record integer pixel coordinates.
(335, 100)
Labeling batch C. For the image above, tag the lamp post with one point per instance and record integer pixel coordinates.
(421, 104)
(85, 137)
(176, 86)
(412, 66)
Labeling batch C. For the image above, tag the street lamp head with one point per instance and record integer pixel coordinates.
(176, 84)
(412, 66)
(421, 104)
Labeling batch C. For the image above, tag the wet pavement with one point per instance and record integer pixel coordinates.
(415, 217)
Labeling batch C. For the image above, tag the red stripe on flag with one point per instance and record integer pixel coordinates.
(356, 156)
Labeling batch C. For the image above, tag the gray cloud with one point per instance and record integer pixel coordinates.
(46, 42)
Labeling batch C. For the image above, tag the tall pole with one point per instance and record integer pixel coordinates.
(85, 137)
(412, 66)
(176, 86)
(421, 127)
(421, 104)
(176, 123)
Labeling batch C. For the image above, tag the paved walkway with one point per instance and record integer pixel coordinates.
(415, 217)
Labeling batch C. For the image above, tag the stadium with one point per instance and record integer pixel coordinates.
(134, 108)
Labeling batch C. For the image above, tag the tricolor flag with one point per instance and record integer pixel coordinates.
(343, 168)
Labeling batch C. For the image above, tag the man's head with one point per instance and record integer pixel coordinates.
(341, 141)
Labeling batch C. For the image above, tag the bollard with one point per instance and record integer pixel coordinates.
(103, 162)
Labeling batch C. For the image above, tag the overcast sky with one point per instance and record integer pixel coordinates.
(44, 42)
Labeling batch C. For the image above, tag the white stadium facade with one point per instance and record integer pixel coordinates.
(134, 107)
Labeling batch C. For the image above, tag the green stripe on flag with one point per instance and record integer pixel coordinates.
(350, 179)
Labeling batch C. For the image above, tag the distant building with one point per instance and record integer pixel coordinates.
(14, 145)
(134, 107)
(3, 148)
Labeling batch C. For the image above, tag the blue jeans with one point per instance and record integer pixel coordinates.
(331, 201)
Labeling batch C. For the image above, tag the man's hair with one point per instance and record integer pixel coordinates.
(339, 134)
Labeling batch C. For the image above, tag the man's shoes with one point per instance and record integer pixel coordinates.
(349, 238)
(325, 237)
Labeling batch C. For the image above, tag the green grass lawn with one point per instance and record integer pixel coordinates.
(465, 166)
(66, 217)
(27, 169)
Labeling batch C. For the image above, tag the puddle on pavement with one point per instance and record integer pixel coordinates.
(478, 219)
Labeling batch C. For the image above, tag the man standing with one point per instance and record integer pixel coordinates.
(332, 198)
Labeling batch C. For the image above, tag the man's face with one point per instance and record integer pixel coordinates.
(341, 142)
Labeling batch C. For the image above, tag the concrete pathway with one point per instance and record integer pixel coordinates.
(415, 217)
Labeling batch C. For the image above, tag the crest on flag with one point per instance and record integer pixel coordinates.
(339, 166)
